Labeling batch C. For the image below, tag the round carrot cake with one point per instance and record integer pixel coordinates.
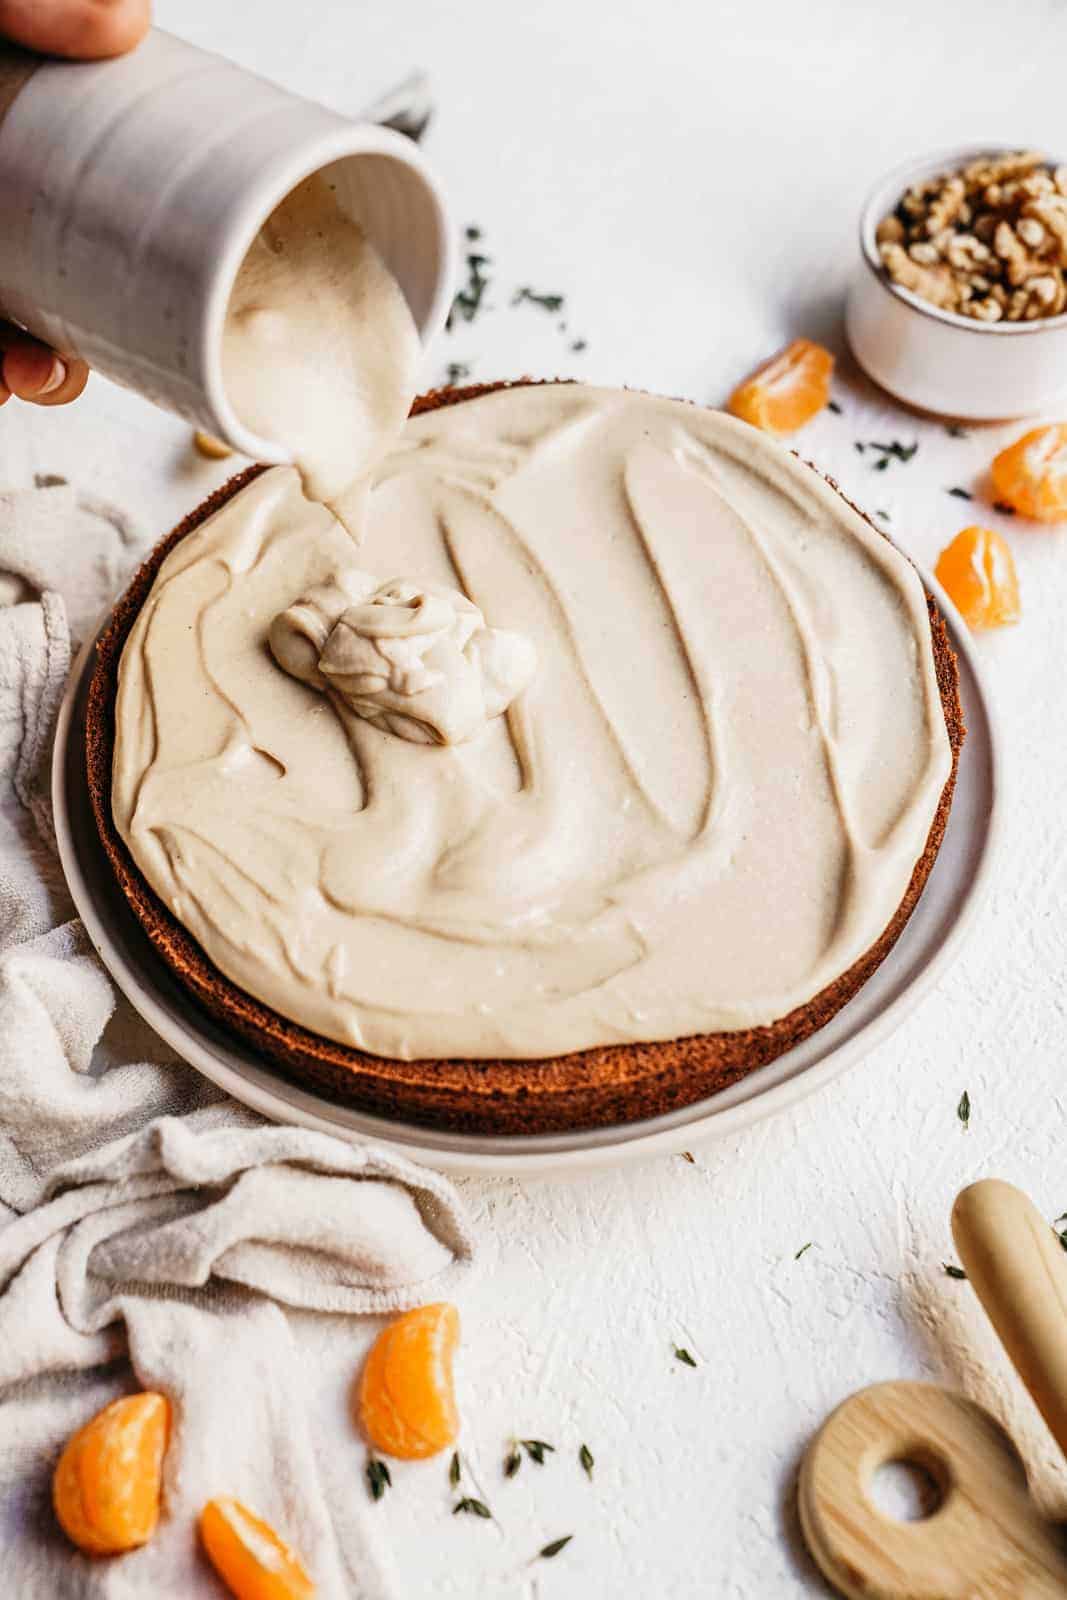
(604, 769)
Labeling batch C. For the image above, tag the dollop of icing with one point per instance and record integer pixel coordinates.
(414, 659)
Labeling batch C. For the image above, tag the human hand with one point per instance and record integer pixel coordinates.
(84, 30)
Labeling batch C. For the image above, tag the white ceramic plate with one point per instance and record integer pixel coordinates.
(924, 950)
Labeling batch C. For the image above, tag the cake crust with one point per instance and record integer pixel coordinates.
(609, 1085)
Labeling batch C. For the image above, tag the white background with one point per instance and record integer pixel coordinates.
(689, 175)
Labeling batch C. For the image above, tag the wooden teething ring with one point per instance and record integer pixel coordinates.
(986, 1540)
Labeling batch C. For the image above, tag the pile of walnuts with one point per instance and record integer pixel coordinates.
(988, 242)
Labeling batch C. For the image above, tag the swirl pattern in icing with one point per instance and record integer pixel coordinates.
(706, 806)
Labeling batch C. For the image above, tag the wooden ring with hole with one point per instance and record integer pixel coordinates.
(985, 1541)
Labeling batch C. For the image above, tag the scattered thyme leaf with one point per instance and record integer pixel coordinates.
(961, 494)
(585, 1455)
(682, 1354)
(474, 1508)
(535, 1449)
(1004, 508)
(687, 1155)
(954, 430)
(472, 232)
(455, 373)
(49, 480)
(468, 301)
(454, 1469)
(857, 446)
(553, 1549)
(963, 1110)
(835, 408)
(531, 297)
(954, 1272)
(378, 1479)
(893, 451)
(884, 516)
(512, 1461)
(803, 1248)
(579, 345)
(1061, 1235)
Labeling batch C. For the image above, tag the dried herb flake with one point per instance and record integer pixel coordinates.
(532, 297)
(454, 1470)
(378, 1479)
(893, 451)
(835, 408)
(535, 1449)
(803, 1248)
(455, 373)
(512, 1462)
(682, 1354)
(1004, 508)
(468, 301)
(963, 1110)
(474, 1508)
(961, 494)
(553, 1549)
(954, 1272)
(585, 1457)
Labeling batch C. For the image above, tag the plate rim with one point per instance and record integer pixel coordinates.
(533, 1155)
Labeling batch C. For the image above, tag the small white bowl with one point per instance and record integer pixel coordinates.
(937, 360)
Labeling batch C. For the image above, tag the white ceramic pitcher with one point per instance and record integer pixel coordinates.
(131, 189)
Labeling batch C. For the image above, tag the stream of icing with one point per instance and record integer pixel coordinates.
(320, 350)
(319, 355)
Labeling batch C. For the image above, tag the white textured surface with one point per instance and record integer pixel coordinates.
(693, 189)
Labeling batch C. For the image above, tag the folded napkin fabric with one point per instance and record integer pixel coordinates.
(153, 1233)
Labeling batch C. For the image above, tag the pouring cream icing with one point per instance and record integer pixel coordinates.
(319, 355)
(706, 805)
(320, 350)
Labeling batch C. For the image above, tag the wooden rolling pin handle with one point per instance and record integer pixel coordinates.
(1019, 1271)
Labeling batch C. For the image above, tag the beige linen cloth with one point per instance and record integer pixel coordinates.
(153, 1234)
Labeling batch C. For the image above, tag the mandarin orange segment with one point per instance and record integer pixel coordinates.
(249, 1557)
(978, 573)
(1031, 474)
(786, 391)
(106, 1486)
(406, 1401)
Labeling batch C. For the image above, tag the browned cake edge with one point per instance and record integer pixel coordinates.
(610, 1085)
